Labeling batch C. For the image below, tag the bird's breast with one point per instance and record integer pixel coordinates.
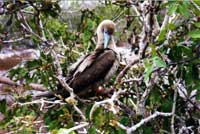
(101, 69)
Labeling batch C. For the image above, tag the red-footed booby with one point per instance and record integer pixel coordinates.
(97, 67)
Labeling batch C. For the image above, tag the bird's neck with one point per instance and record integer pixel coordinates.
(100, 43)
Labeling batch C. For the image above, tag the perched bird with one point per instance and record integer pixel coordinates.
(97, 67)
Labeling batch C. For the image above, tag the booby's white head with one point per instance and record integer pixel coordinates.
(105, 31)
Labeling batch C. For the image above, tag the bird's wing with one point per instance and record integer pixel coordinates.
(75, 65)
(79, 66)
(87, 61)
(92, 70)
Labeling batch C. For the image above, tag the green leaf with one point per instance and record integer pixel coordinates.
(166, 105)
(194, 34)
(197, 24)
(124, 120)
(171, 26)
(148, 71)
(98, 117)
(155, 98)
(153, 49)
(148, 130)
(65, 131)
(185, 50)
(162, 35)
(183, 9)
(92, 130)
(172, 8)
(198, 93)
(33, 64)
(3, 106)
(159, 62)
(44, 79)
(87, 111)
(197, 2)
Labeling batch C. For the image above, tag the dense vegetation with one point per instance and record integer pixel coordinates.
(157, 89)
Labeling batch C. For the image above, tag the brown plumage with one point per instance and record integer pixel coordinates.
(97, 67)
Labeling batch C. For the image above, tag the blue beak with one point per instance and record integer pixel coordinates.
(106, 39)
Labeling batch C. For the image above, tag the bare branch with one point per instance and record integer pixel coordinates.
(164, 24)
(122, 73)
(59, 72)
(27, 27)
(173, 110)
(8, 81)
(195, 4)
(80, 112)
(130, 130)
(143, 121)
(41, 27)
(134, 79)
(13, 40)
(110, 101)
(40, 101)
(165, 21)
(137, 12)
(81, 125)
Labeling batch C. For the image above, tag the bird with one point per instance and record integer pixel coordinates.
(95, 68)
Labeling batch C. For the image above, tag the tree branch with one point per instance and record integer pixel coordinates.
(130, 130)
(174, 109)
(110, 101)
(67, 131)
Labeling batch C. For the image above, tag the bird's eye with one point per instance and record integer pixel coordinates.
(105, 30)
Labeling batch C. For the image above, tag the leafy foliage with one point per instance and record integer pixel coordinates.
(171, 64)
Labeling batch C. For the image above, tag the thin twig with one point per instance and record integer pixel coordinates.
(122, 73)
(134, 79)
(110, 101)
(41, 101)
(59, 73)
(195, 4)
(8, 81)
(80, 112)
(130, 130)
(143, 121)
(173, 110)
(13, 40)
(81, 125)
(41, 27)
